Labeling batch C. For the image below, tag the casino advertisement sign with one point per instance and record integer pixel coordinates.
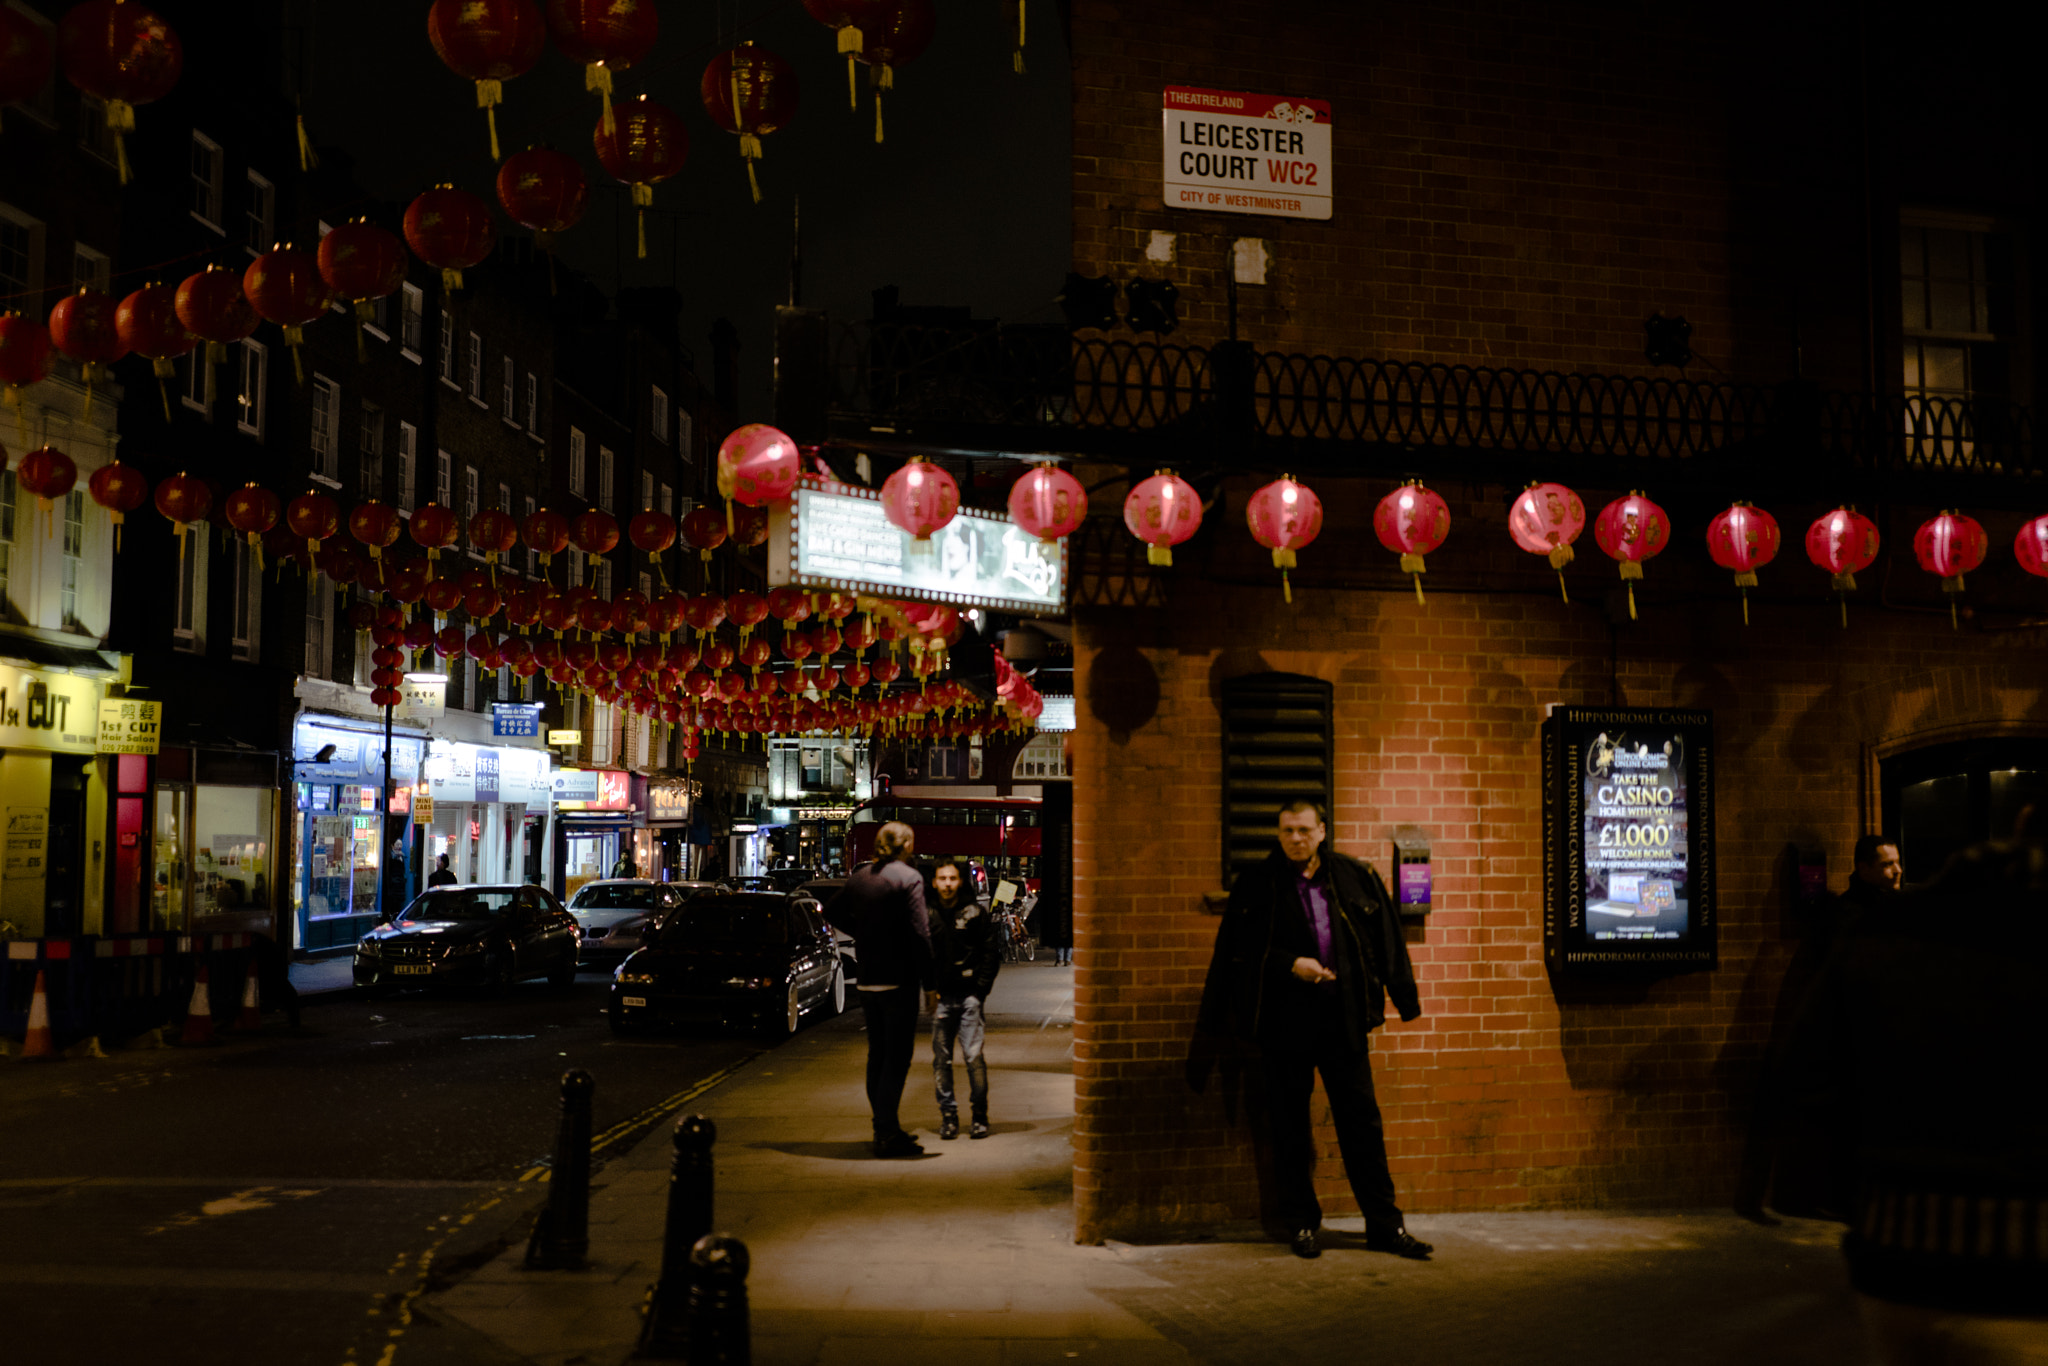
(1628, 836)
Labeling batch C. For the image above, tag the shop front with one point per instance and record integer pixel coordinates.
(595, 826)
(54, 793)
(670, 806)
(479, 801)
(349, 871)
(214, 854)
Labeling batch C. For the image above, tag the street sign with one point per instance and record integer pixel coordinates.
(565, 737)
(515, 718)
(129, 726)
(423, 810)
(1228, 151)
(423, 697)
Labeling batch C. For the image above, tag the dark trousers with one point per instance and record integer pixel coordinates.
(892, 1040)
(1347, 1081)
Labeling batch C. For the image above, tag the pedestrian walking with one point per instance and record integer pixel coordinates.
(1307, 953)
(965, 958)
(882, 907)
(441, 877)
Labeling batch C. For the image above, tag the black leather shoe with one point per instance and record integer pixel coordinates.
(949, 1124)
(1303, 1244)
(899, 1144)
(980, 1126)
(1401, 1243)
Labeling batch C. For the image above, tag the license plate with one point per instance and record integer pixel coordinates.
(411, 969)
(633, 1000)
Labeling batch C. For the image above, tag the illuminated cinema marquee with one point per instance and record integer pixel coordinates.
(838, 537)
(1628, 840)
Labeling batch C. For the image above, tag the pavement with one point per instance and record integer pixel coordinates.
(967, 1255)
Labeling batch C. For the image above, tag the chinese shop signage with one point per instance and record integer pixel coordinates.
(1628, 837)
(1227, 151)
(50, 711)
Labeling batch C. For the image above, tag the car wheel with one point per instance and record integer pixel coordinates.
(782, 1024)
(838, 989)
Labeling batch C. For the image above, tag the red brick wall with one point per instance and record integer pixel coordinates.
(1507, 1092)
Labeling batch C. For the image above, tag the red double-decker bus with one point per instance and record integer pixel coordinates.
(1003, 835)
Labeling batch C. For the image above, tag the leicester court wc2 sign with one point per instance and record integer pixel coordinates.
(1232, 152)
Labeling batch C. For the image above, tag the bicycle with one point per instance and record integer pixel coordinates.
(1018, 944)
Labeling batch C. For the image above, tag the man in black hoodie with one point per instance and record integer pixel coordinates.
(965, 957)
(1309, 948)
(882, 907)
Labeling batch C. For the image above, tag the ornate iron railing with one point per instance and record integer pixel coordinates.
(1043, 387)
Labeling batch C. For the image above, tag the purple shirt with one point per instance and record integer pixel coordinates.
(1315, 904)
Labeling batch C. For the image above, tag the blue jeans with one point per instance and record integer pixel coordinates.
(961, 1019)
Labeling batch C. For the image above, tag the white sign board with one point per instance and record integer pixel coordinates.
(129, 726)
(423, 697)
(1227, 151)
(838, 537)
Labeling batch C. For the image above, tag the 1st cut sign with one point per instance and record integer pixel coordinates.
(1229, 151)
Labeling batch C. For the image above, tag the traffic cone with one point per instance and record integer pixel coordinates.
(251, 1017)
(39, 1042)
(199, 1014)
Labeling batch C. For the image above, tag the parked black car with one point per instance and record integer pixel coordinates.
(821, 891)
(484, 936)
(756, 958)
(613, 913)
(789, 879)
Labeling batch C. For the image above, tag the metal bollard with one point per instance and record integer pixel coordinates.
(664, 1334)
(561, 1238)
(719, 1333)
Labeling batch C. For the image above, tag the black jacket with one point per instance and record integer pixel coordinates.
(1252, 993)
(882, 907)
(965, 953)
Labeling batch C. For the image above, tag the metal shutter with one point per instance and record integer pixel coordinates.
(1277, 747)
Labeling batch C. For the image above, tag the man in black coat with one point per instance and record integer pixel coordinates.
(1308, 950)
(882, 907)
(965, 956)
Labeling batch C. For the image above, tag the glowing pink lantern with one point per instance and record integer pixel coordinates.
(920, 498)
(1545, 520)
(1162, 512)
(1048, 502)
(1744, 539)
(1284, 517)
(2031, 547)
(1842, 542)
(757, 465)
(1631, 530)
(1951, 545)
(1412, 521)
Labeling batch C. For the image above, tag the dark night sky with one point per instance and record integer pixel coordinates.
(965, 203)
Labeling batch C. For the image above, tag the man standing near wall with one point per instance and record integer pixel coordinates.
(1309, 947)
(1877, 876)
(882, 907)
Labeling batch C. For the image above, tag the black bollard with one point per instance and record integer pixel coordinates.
(719, 1335)
(663, 1335)
(561, 1239)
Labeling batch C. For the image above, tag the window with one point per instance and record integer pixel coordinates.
(1957, 298)
(646, 490)
(21, 256)
(532, 556)
(942, 762)
(472, 694)
(533, 404)
(468, 494)
(42, 105)
(326, 438)
(74, 555)
(7, 487)
(370, 475)
(412, 320)
(408, 477)
(255, 370)
(647, 586)
(603, 585)
(575, 566)
(576, 462)
(508, 396)
(188, 616)
(206, 180)
(90, 269)
(657, 418)
(1943, 798)
(319, 626)
(93, 133)
(196, 391)
(476, 368)
(1276, 748)
(604, 477)
(378, 324)
(444, 486)
(504, 503)
(248, 605)
(684, 429)
(262, 215)
(447, 347)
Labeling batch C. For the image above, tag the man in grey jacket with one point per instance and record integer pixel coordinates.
(882, 907)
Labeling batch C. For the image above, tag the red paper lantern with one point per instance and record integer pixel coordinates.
(489, 42)
(1842, 542)
(83, 329)
(118, 488)
(846, 18)
(2030, 547)
(185, 500)
(285, 287)
(546, 533)
(894, 32)
(25, 360)
(1743, 538)
(595, 532)
(1048, 502)
(1950, 545)
(704, 612)
(1162, 512)
(645, 144)
(253, 510)
(213, 308)
(362, 263)
(757, 465)
(146, 323)
(629, 612)
(48, 473)
(543, 190)
(605, 36)
(1284, 516)
(789, 605)
(1412, 521)
(920, 498)
(451, 230)
(748, 525)
(433, 529)
(123, 53)
(1545, 520)
(703, 530)
(25, 59)
(495, 532)
(752, 92)
(314, 518)
(1631, 530)
(375, 525)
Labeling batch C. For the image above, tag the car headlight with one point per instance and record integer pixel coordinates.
(752, 983)
(635, 979)
(462, 950)
(368, 948)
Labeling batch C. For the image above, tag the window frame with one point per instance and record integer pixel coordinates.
(508, 398)
(262, 214)
(33, 251)
(446, 352)
(251, 397)
(214, 188)
(408, 458)
(578, 451)
(476, 369)
(188, 594)
(658, 411)
(325, 411)
(412, 321)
